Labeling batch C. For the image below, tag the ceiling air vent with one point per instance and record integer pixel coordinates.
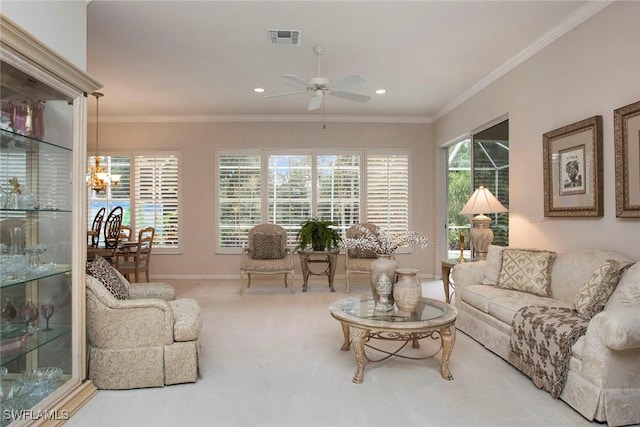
(290, 37)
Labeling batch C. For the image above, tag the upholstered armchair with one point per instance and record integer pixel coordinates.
(356, 260)
(146, 340)
(267, 254)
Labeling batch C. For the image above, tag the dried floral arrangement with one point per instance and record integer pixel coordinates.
(384, 243)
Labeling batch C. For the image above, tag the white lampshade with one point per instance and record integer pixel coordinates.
(482, 202)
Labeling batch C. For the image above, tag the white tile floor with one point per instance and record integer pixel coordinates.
(273, 359)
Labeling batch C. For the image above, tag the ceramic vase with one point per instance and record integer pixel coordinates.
(407, 290)
(384, 288)
(383, 264)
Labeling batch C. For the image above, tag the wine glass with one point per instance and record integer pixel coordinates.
(26, 315)
(47, 312)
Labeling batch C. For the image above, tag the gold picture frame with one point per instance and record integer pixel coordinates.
(572, 170)
(626, 122)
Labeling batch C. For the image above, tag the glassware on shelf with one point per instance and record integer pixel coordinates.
(35, 263)
(9, 311)
(47, 312)
(28, 314)
(16, 235)
(13, 267)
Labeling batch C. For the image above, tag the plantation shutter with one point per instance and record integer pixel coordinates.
(156, 196)
(239, 197)
(388, 191)
(338, 189)
(289, 196)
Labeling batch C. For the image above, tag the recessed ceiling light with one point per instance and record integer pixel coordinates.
(381, 91)
(258, 90)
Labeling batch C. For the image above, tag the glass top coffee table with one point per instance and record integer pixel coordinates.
(361, 323)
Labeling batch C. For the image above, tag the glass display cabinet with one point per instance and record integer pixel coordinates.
(42, 231)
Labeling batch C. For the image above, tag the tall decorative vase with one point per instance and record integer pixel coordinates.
(407, 290)
(383, 264)
(17, 241)
(384, 288)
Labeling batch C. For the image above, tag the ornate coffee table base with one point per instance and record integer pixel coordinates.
(359, 338)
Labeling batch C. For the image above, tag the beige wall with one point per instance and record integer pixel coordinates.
(60, 24)
(590, 71)
(198, 142)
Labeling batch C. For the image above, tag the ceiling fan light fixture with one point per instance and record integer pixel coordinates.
(381, 91)
(258, 90)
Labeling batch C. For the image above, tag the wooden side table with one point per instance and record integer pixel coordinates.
(328, 258)
(447, 265)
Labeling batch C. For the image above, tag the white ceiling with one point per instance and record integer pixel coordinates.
(166, 60)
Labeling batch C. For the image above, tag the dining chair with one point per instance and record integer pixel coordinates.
(111, 236)
(126, 234)
(94, 233)
(138, 261)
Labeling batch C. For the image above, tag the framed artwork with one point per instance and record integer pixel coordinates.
(573, 170)
(627, 153)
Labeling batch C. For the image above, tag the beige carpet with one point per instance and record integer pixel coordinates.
(273, 359)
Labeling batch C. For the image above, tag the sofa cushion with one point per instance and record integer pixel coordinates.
(479, 296)
(494, 263)
(596, 291)
(504, 308)
(527, 270)
(102, 270)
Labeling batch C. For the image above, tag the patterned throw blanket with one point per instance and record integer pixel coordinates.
(540, 344)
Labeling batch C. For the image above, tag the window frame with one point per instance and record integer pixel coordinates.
(132, 154)
(314, 153)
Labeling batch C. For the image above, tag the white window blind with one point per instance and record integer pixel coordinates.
(156, 196)
(388, 191)
(239, 197)
(289, 196)
(338, 189)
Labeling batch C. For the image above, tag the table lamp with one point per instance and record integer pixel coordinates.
(480, 203)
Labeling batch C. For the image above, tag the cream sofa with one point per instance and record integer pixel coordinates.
(603, 382)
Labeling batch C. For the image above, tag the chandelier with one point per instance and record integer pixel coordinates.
(98, 178)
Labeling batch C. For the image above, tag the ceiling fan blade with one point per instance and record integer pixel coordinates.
(350, 96)
(316, 101)
(275, 95)
(348, 81)
(296, 79)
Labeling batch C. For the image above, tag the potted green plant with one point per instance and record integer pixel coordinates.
(318, 234)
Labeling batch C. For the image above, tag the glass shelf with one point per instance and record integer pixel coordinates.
(60, 269)
(28, 144)
(38, 339)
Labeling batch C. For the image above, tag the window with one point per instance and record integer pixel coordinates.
(289, 197)
(388, 191)
(288, 188)
(482, 159)
(149, 193)
(239, 202)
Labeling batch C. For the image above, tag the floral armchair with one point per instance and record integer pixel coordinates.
(267, 254)
(139, 335)
(359, 260)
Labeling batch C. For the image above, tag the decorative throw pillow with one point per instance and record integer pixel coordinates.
(108, 276)
(596, 291)
(267, 246)
(527, 270)
(494, 262)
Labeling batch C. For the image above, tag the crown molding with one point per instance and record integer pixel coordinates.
(277, 118)
(580, 15)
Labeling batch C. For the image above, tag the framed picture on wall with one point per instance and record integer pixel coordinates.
(573, 170)
(626, 122)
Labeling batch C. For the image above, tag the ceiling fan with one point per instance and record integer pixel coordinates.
(320, 86)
